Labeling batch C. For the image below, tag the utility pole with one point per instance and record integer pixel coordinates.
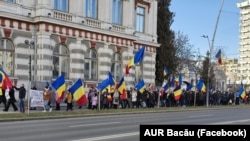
(211, 48)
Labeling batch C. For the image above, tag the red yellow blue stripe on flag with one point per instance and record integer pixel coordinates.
(218, 56)
(242, 93)
(140, 86)
(177, 93)
(4, 80)
(78, 92)
(121, 86)
(60, 86)
(138, 57)
(201, 86)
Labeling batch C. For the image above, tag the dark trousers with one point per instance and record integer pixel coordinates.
(57, 107)
(13, 105)
(94, 107)
(69, 106)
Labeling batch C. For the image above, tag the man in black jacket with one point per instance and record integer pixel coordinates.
(22, 93)
(11, 100)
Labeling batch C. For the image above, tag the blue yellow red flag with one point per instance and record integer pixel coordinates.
(5, 81)
(138, 57)
(218, 56)
(60, 86)
(140, 86)
(78, 92)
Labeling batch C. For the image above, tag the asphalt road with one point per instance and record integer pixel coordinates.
(113, 127)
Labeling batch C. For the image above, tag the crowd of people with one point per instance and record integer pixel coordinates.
(7, 97)
(150, 98)
(131, 98)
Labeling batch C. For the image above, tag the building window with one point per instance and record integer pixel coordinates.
(91, 61)
(60, 61)
(140, 17)
(91, 10)
(10, 1)
(7, 56)
(116, 66)
(61, 5)
(117, 12)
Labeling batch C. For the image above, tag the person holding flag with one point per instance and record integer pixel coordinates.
(60, 86)
(69, 100)
(22, 93)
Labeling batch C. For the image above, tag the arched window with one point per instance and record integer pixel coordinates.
(91, 62)
(7, 56)
(116, 66)
(60, 61)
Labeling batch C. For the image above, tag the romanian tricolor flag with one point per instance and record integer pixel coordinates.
(136, 59)
(189, 86)
(165, 71)
(5, 82)
(111, 79)
(140, 86)
(218, 56)
(78, 92)
(122, 88)
(121, 85)
(109, 88)
(165, 86)
(60, 86)
(242, 93)
(107, 83)
(103, 84)
(201, 86)
(177, 93)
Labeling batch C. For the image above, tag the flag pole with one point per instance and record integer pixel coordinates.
(158, 101)
(99, 100)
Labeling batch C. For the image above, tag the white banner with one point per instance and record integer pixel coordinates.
(36, 98)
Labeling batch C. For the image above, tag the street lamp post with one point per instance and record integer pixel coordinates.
(211, 48)
(195, 83)
(29, 43)
(209, 68)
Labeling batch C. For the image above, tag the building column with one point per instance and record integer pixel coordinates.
(104, 62)
(76, 60)
(44, 57)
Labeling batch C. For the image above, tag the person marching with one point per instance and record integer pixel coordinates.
(11, 100)
(46, 99)
(69, 101)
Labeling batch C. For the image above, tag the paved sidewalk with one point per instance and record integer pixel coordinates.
(38, 109)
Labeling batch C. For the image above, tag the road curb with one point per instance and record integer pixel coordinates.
(181, 109)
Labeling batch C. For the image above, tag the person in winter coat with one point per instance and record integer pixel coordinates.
(116, 99)
(22, 94)
(46, 99)
(69, 101)
(134, 98)
(11, 100)
(94, 101)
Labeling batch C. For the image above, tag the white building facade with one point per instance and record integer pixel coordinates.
(77, 38)
(244, 54)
